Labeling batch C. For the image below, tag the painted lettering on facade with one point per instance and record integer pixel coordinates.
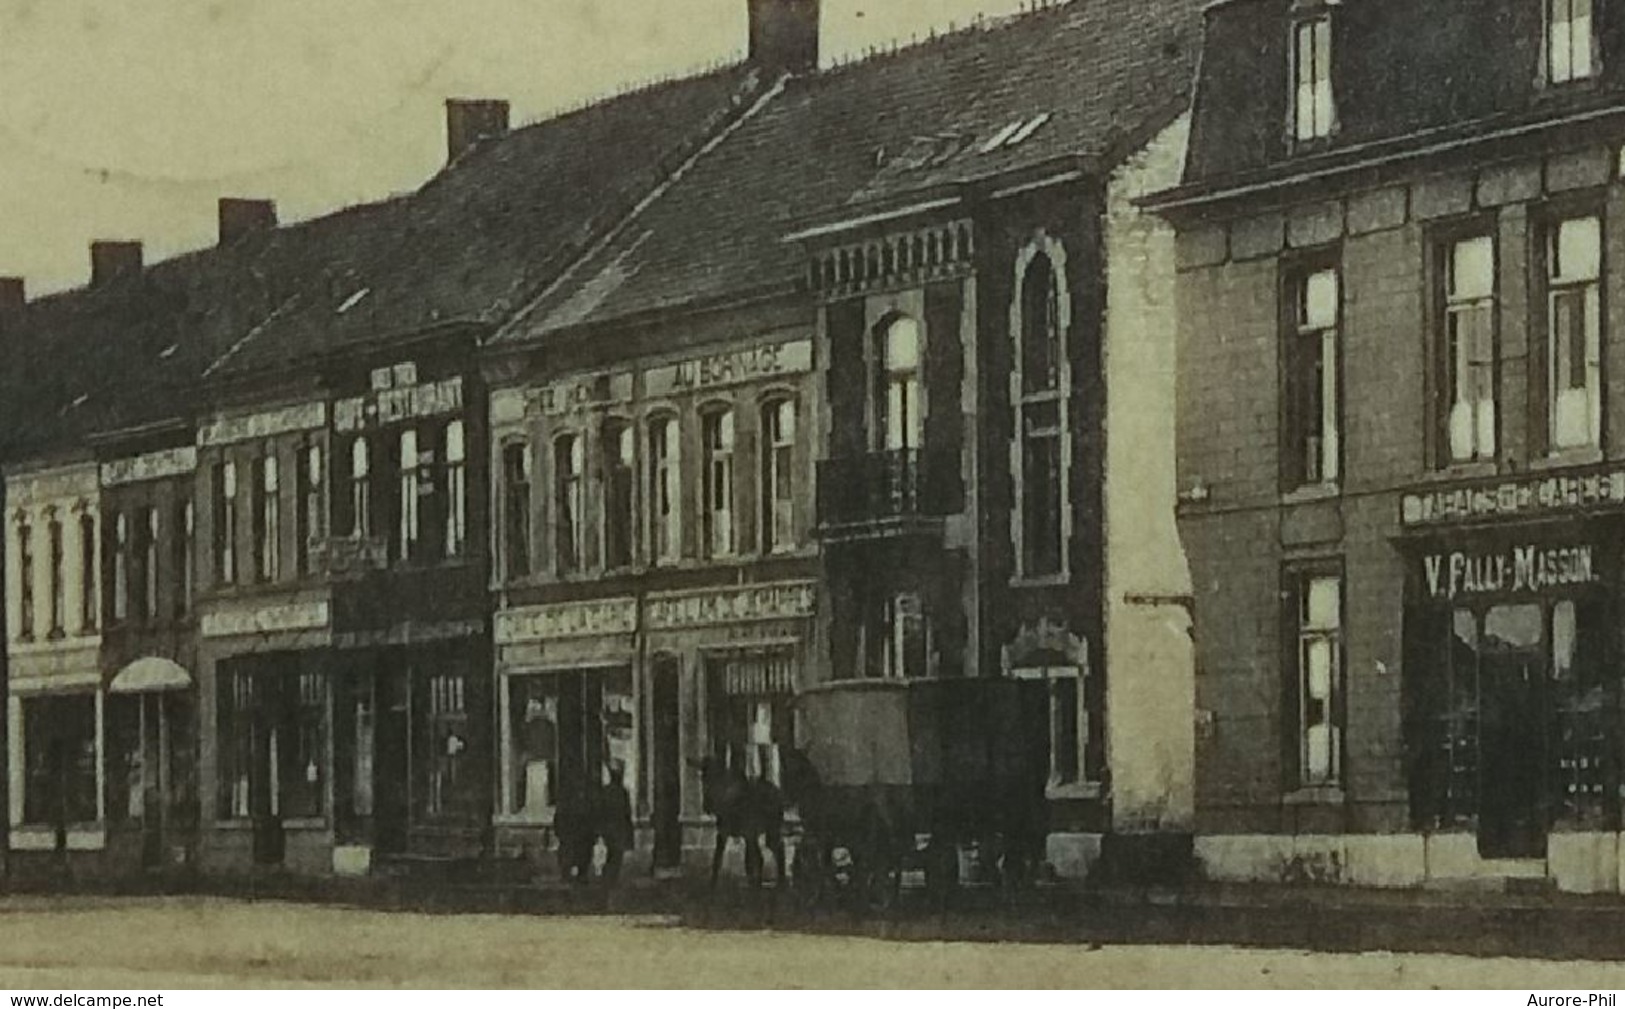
(567, 620)
(1523, 569)
(398, 403)
(269, 424)
(1516, 498)
(585, 393)
(730, 368)
(152, 466)
(780, 601)
(250, 620)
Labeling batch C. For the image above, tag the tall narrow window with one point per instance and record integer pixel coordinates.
(149, 563)
(1312, 450)
(1574, 333)
(59, 591)
(1319, 604)
(121, 566)
(619, 466)
(718, 431)
(894, 637)
(225, 523)
(25, 578)
(665, 493)
(516, 509)
(182, 552)
(456, 489)
(778, 494)
(88, 574)
(1042, 422)
(1569, 45)
(1467, 380)
(410, 526)
(359, 493)
(312, 506)
(1313, 110)
(902, 422)
(267, 519)
(568, 462)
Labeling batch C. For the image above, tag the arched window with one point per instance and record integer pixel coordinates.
(1041, 416)
(568, 462)
(25, 578)
(360, 496)
(665, 491)
(411, 526)
(718, 430)
(778, 492)
(456, 489)
(516, 508)
(619, 467)
(903, 424)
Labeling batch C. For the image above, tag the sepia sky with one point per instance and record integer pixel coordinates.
(128, 120)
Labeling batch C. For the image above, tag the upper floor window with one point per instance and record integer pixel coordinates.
(1041, 418)
(121, 566)
(58, 562)
(184, 556)
(665, 491)
(894, 637)
(1467, 351)
(778, 494)
(568, 513)
(1312, 440)
(1570, 44)
(902, 420)
(225, 523)
(718, 432)
(1318, 606)
(25, 578)
(149, 563)
(312, 506)
(1574, 333)
(456, 486)
(411, 526)
(358, 495)
(516, 480)
(1313, 112)
(619, 463)
(87, 571)
(268, 519)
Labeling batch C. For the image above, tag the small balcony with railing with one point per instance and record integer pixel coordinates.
(894, 492)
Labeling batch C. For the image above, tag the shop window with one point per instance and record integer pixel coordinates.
(752, 711)
(1313, 108)
(299, 746)
(900, 410)
(456, 489)
(717, 427)
(1317, 685)
(410, 529)
(1582, 704)
(665, 490)
(568, 506)
(225, 524)
(1574, 335)
(182, 554)
(122, 562)
(619, 467)
(24, 532)
(60, 757)
(1041, 422)
(1311, 453)
(235, 707)
(88, 574)
(312, 507)
(567, 734)
(448, 734)
(1467, 354)
(1571, 53)
(516, 504)
(778, 492)
(1076, 730)
(58, 586)
(533, 739)
(894, 637)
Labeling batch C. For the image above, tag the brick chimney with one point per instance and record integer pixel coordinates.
(470, 120)
(112, 260)
(784, 35)
(13, 302)
(240, 217)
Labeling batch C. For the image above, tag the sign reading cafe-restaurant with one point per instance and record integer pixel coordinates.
(1517, 570)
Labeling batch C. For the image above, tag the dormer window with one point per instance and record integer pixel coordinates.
(1570, 44)
(1313, 111)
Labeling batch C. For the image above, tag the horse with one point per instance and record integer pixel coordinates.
(751, 809)
(588, 815)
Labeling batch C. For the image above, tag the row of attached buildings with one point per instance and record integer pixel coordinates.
(1245, 373)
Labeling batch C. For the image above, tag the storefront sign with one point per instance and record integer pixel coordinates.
(250, 620)
(1517, 570)
(396, 396)
(251, 427)
(152, 466)
(567, 620)
(584, 394)
(53, 486)
(1515, 499)
(779, 601)
(730, 368)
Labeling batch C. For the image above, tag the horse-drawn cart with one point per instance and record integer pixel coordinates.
(899, 775)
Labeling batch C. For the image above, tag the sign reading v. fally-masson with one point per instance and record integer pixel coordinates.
(1517, 570)
(1533, 496)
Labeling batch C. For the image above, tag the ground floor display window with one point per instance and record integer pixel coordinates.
(751, 702)
(272, 725)
(568, 731)
(60, 759)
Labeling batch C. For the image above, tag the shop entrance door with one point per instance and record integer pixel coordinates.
(668, 765)
(1512, 678)
(153, 755)
(391, 776)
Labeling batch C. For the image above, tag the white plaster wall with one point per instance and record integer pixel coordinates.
(1151, 676)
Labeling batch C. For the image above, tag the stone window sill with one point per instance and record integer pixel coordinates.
(1312, 493)
(1316, 795)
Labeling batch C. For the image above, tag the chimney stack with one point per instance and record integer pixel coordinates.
(112, 260)
(470, 120)
(784, 35)
(13, 302)
(240, 217)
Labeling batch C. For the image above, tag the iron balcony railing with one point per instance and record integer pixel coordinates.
(881, 487)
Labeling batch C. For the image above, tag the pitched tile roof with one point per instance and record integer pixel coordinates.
(1076, 80)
